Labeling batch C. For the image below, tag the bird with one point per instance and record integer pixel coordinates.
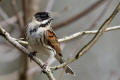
(42, 40)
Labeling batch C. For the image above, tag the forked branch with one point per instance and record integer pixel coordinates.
(15, 43)
(82, 51)
(92, 41)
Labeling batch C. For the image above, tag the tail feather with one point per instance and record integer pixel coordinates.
(67, 68)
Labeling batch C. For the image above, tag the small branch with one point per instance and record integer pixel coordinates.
(79, 15)
(75, 35)
(25, 51)
(91, 42)
(24, 43)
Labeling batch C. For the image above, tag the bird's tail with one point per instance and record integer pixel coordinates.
(67, 68)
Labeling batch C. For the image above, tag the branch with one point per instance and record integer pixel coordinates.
(79, 15)
(91, 42)
(15, 43)
(75, 35)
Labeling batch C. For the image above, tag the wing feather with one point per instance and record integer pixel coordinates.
(53, 41)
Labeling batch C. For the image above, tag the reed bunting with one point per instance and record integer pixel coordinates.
(42, 40)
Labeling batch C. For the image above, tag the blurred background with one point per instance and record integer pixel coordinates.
(101, 62)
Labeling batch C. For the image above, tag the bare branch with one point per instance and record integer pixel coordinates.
(91, 42)
(25, 51)
(48, 72)
(75, 35)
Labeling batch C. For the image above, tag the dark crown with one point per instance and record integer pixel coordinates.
(40, 16)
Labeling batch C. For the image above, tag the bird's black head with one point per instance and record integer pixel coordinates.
(41, 16)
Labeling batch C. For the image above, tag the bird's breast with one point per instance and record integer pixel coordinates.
(34, 37)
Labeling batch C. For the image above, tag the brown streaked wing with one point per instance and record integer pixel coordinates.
(52, 41)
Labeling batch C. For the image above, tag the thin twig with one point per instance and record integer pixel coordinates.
(13, 41)
(91, 42)
(75, 35)
(97, 20)
(79, 15)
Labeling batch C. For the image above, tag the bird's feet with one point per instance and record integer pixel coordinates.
(32, 54)
(44, 67)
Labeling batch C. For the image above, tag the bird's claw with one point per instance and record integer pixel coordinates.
(32, 54)
(44, 67)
